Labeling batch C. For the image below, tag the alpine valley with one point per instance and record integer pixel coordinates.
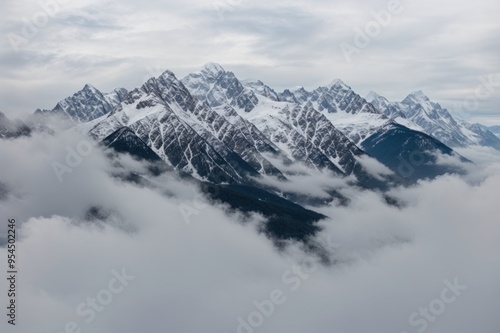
(244, 144)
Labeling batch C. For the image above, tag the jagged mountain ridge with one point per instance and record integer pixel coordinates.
(223, 130)
(410, 154)
(188, 134)
(86, 105)
(495, 129)
(356, 117)
(384, 132)
(436, 120)
(226, 146)
(217, 87)
(336, 97)
(300, 131)
(306, 135)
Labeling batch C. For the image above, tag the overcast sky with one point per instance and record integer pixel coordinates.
(441, 47)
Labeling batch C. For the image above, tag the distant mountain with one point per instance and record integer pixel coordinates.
(86, 105)
(336, 97)
(480, 135)
(10, 129)
(493, 129)
(355, 116)
(259, 88)
(436, 121)
(410, 154)
(379, 128)
(116, 97)
(383, 105)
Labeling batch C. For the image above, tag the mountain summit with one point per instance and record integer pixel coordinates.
(436, 121)
(86, 105)
(218, 88)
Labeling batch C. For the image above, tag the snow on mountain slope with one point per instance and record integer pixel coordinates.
(384, 106)
(493, 129)
(435, 120)
(387, 125)
(219, 129)
(86, 105)
(306, 135)
(410, 154)
(336, 97)
(188, 134)
(348, 112)
(380, 132)
(357, 126)
(217, 87)
(117, 96)
(249, 131)
(479, 135)
(297, 129)
(260, 88)
(273, 119)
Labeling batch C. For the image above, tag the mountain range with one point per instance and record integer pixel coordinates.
(241, 135)
(436, 121)
(221, 129)
(495, 129)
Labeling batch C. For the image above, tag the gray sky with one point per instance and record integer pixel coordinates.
(441, 47)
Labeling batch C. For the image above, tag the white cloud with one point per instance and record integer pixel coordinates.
(203, 276)
(374, 167)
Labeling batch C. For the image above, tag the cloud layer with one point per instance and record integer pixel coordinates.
(207, 275)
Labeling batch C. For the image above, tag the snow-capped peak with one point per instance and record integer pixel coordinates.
(419, 95)
(167, 74)
(83, 106)
(252, 82)
(116, 96)
(260, 88)
(212, 69)
(218, 87)
(90, 89)
(373, 96)
(297, 88)
(338, 83)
